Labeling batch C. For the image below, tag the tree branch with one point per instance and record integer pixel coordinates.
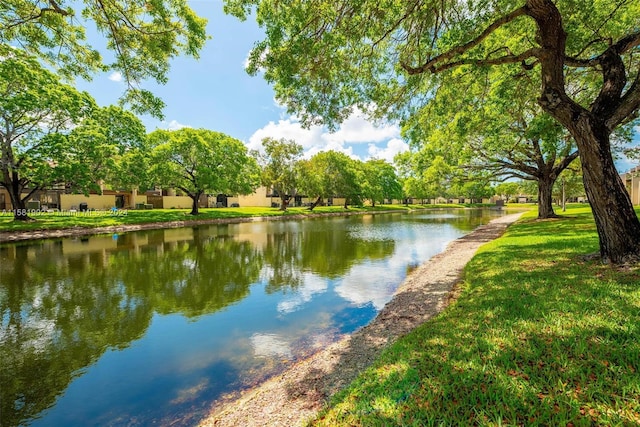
(507, 59)
(621, 47)
(565, 162)
(431, 65)
(628, 106)
(55, 8)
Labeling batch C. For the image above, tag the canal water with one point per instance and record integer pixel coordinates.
(150, 327)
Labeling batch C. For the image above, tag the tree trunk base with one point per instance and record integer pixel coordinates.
(627, 262)
(549, 216)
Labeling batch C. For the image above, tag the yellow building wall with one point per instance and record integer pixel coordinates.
(93, 201)
(257, 199)
(632, 184)
(635, 190)
(92, 244)
(177, 202)
(177, 234)
(7, 199)
(337, 201)
(140, 198)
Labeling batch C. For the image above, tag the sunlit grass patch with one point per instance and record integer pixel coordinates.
(95, 219)
(539, 336)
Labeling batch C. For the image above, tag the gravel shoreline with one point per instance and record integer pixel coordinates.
(295, 396)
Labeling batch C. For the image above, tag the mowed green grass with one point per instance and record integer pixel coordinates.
(539, 336)
(105, 218)
(49, 221)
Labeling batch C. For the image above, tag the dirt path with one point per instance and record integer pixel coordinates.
(299, 393)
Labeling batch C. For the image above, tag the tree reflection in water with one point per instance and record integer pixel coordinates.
(65, 303)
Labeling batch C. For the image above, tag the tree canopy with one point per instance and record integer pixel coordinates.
(279, 167)
(102, 148)
(329, 174)
(199, 160)
(493, 126)
(142, 38)
(390, 57)
(36, 111)
(380, 182)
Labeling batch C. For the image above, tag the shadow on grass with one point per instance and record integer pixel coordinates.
(538, 337)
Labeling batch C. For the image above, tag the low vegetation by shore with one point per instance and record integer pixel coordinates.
(96, 219)
(539, 335)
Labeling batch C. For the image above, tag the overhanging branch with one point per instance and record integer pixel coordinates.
(431, 65)
(507, 59)
(55, 8)
(628, 106)
(621, 47)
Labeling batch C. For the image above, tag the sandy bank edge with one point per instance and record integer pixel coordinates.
(300, 392)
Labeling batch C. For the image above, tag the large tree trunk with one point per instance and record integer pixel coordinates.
(314, 204)
(616, 221)
(545, 198)
(284, 203)
(196, 198)
(19, 208)
(18, 204)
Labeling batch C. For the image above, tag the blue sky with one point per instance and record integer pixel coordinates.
(215, 92)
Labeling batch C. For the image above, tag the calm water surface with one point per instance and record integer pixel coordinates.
(151, 327)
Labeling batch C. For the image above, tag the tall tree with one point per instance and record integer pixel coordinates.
(328, 174)
(495, 127)
(143, 37)
(101, 148)
(36, 109)
(324, 57)
(475, 189)
(507, 189)
(199, 160)
(380, 182)
(427, 174)
(438, 178)
(279, 168)
(568, 186)
(410, 166)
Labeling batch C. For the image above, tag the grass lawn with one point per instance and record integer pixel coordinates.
(49, 221)
(537, 337)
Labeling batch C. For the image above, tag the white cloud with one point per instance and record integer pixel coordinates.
(394, 146)
(174, 125)
(289, 128)
(269, 345)
(357, 287)
(355, 130)
(246, 64)
(312, 285)
(331, 147)
(116, 76)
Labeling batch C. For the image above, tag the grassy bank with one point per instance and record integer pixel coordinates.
(538, 336)
(51, 221)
